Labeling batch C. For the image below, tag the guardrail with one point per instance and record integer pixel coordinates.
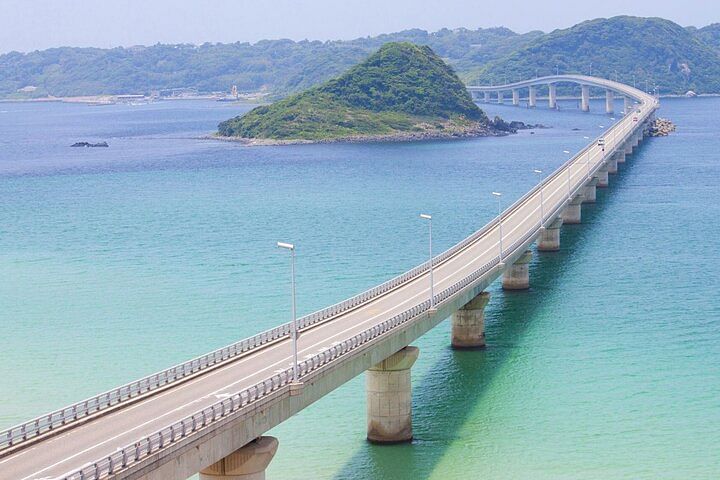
(65, 416)
(177, 431)
(122, 458)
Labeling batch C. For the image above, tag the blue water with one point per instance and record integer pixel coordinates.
(121, 261)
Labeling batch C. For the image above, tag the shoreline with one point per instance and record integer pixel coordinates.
(398, 137)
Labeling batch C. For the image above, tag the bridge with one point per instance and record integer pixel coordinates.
(209, 414)
(609, 87)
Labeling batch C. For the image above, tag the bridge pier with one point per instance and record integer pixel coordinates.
(620, 156)
(628, 105)
(500, 98)
(389, 398)
(549, 239)
(609, 101)
(552, 96)
(517, 275)
(590, 192)
(248, 463)
(612, 165)
(486, 97)
(602, 176)
(468, 323)
(532, 97)
(628, 148)
(585, 97)
(515, 97)
(572, 213)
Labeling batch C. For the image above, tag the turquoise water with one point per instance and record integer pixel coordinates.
(121, 261)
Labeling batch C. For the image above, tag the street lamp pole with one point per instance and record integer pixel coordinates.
(499, 195)
(432, 283)
(568, 175)
(294, 331)
(542, 203)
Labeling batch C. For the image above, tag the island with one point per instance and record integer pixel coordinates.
(401, 92)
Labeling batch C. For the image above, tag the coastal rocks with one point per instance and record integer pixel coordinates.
(661, 127)
(513, 126)
(88, 144)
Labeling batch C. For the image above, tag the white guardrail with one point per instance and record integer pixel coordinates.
(177, 431)
(131, 391)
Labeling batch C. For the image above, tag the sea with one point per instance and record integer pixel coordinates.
(117, 262)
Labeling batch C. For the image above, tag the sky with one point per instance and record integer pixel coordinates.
(37, 24)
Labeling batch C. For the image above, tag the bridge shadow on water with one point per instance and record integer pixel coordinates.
(448, 394)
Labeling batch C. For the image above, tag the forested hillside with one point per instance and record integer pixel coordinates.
(647, 52)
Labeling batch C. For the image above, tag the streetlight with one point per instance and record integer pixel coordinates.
(294, 332)
(498, 195)
(568, 170)
(432, 284)
(542, 203)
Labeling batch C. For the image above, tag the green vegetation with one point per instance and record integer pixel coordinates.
(276, 66)
(400, 88)
(649, 50)
(644, 51)
(709, 35)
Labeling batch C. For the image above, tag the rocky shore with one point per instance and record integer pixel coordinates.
(661, 127)
(423, 132)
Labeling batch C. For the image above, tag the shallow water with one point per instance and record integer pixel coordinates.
(121, 261)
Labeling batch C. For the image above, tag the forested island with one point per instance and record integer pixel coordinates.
(647, 52)
(401, 92)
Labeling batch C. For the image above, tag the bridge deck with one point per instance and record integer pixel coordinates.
(63, 453)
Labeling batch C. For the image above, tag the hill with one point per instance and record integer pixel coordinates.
(644, 51)
(276, 66)
(401, 89)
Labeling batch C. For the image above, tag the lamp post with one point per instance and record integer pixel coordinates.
(499, 195)
(294, 331)
(432, 283)
(542, 203)
(568, 175)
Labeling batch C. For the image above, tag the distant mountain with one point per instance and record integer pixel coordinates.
(402, 88)
(650, 50)
(277, 66)
(644, 51)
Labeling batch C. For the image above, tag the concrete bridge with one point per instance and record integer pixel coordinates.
(610, 89)
(209, 414)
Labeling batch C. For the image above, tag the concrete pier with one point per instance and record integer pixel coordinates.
(517, 275)
(248, 463)
(612, 166)
(389, 398)
(602, 176)
(500, 97)
(620, 156)
(590, 192)
(572, 213)
(585, 98)
(486, 96)
(468, 323)
(628, 105)
(552, 96)
(549, 239)
(515, 97)
(628, 148)
(609, 101)
(532, 97)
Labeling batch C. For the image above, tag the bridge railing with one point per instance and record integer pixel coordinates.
(182, 429)
(80, 410)
(131, 391)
